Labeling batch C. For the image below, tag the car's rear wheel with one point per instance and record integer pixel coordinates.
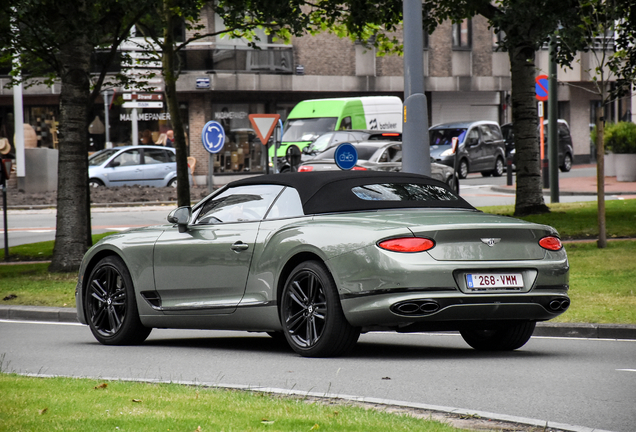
(567, 163)
(499, 337)
(110, 305)
(499, 168)
(462, 169)
(311, 313)
(95, 183)
(172, 183)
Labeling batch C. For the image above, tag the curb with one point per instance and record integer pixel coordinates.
(546, 329)
(511, 190)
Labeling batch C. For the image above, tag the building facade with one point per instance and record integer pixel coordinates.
(466, 78)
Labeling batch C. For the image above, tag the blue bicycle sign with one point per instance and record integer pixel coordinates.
(346, 156)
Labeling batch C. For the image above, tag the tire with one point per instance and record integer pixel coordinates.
(172, 183)
(567, 163)
(311, 313)
(499, 168)
(499, 337)
(95, 183)
(110, 305)
(462, 169)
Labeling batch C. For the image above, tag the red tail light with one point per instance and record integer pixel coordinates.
(305, 168)
(358, 168)
(407, 244)
(551, 243)
(391, 134)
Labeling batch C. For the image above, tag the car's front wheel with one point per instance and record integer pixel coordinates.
(172, 183)
(111, 308)
(567, 163)
(95, 183)
(499, 337)
(311, 313)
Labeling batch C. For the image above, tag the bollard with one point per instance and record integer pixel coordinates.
(509, 170)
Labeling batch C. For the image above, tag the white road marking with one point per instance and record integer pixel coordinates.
(626, 370)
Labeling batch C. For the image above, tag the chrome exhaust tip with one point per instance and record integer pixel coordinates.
(415, 307)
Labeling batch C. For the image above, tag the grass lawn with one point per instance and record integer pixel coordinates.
(579, 220)
(65, 404)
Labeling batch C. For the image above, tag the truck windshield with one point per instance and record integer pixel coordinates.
(308, 129)
(445, 136)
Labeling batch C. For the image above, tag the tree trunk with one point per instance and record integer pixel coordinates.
(529, 197)
(600, 177)
(170, 76)
(72, 220)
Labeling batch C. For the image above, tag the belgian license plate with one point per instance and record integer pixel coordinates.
(494, 280)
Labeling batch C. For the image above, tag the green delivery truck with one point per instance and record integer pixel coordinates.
(311, 118)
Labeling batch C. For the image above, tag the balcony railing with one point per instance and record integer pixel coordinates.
(273, 60)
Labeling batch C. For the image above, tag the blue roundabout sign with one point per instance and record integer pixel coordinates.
(213, 136)
(346, 156)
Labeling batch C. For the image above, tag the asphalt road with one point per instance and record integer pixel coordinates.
(589, 383)
(30, 226)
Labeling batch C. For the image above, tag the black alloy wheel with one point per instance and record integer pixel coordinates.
(499, 337)
(111, 309)
(311, 313)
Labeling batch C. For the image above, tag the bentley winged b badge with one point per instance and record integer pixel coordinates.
(491, 241)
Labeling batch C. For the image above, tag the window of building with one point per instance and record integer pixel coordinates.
(462, 35)
(243, 151)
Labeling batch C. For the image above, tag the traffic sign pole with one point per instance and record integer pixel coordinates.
(541, 89)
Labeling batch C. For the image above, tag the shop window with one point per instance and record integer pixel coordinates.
(243, 151)
(462, 35)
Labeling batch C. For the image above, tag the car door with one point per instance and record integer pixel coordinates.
(125, 169)
(474, 149)
(204, 270)
(489, 147)
(158, 165)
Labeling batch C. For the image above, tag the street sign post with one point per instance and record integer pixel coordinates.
(541, 88)
(213, 139)
(264, 125)
(346, 156)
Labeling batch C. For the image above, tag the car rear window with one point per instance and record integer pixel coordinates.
(403, 192)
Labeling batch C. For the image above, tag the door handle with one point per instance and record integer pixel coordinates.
(240, 246)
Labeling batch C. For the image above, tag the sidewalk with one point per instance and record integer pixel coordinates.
(550, 329)
(584, 186)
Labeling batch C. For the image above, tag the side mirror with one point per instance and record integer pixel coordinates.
(181, 216)
(114, 164)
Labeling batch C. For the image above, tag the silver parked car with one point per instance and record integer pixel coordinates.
(481, 147)
(317, 258)
(133, 165)
(378, 156)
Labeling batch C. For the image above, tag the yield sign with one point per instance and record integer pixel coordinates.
(264, 125)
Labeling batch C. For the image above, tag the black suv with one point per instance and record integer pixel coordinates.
(566, 148)
(481, 147)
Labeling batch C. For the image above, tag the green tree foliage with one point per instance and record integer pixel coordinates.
(53, 40)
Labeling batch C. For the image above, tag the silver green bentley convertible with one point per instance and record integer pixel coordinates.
(317, 258)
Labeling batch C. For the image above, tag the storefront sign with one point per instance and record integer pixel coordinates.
(145, 116)
(142, 96)
(142, 104)
(228, 115)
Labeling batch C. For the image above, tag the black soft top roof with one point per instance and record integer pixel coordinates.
(326, 192)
